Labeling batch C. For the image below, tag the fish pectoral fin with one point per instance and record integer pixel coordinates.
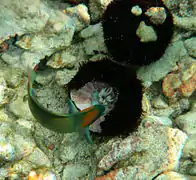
(85, 131)
(72, 106)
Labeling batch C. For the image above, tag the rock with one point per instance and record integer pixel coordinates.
(170, 83)
(181, 83)
(23, 12)
(38, 158)
(163, 121)
(10, 59)
(94, 40)
(93, 45)
(97, 8)
(64, 76)
(15, 150)
(61, 60)
(68, 154)
(7, 151)
(157, 15)
(74, 148)
(25, 125)
(53, 98)
(3, 116)
(14, 77)
(174, 175)
(190, 45)
(179, 107)
(159, 69)
(75, 171)
(192, 170)
(25, 41)
(156, 140)
(136, 10)
(189, 150)
(42, 173)
(6, 94)
(31, 59)
(91, 30)
(45, 77)
(186, 23)
(80, 14)
(20, 108)
(159, 103)
(187, 122)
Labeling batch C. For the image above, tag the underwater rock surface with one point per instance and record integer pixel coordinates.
(157, 132)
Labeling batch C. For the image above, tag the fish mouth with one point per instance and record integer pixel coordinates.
(92, 93)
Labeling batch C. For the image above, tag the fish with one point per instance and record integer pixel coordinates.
(75, 121)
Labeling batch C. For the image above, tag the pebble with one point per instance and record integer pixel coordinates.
(157, 15)
(136, 10)
(146, 33)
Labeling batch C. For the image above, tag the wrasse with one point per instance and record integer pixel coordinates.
(65, 123)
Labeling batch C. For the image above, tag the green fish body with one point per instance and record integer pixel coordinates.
(63, 123)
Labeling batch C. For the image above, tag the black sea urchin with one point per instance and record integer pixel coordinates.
(120, 24)
(123, 118)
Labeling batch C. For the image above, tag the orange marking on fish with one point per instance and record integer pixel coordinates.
(90, 117)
